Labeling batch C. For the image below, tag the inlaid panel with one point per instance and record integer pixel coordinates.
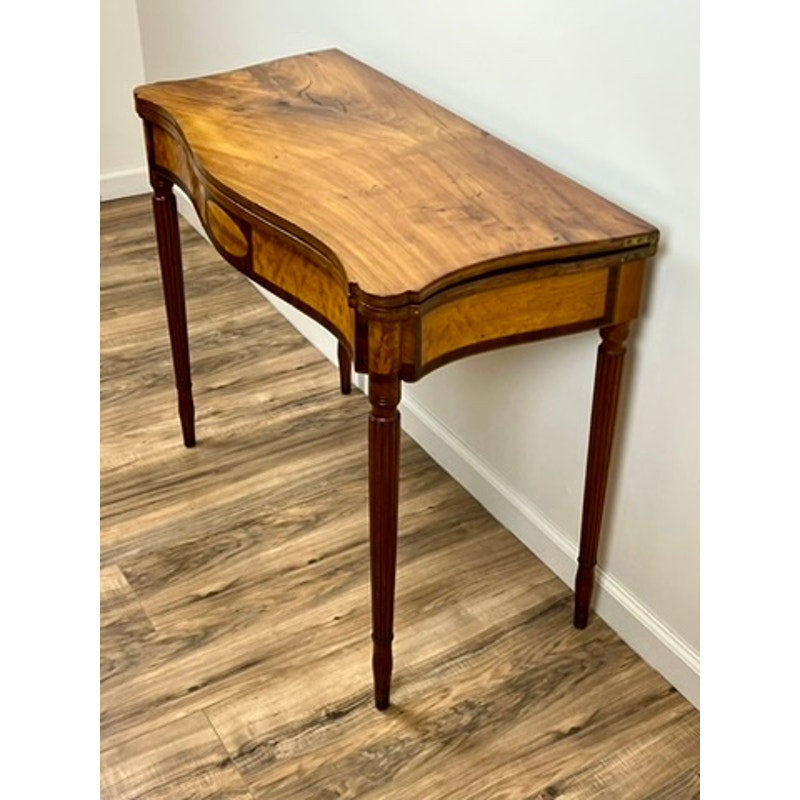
(285, 263)
(511, 305)
(225, 230)
(169, 152)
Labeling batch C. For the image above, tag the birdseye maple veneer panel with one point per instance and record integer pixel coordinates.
(512, 305)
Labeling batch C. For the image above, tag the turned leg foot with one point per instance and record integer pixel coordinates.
(384, 452)
(169, 255)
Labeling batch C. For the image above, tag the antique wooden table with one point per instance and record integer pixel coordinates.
(412, 235)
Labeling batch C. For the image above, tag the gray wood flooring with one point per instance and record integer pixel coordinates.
(235, 629)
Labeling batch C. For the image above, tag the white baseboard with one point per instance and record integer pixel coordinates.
(636, 624)
(124, 183)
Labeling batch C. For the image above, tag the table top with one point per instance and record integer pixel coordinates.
(407, 197)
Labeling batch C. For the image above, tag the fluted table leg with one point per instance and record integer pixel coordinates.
(384, 466)
(345, 368)
(608, 376)
(169, 256)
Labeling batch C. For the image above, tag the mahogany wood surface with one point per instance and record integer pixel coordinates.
(345, 368)
(414, 236)
(608, 376)
(169, 253)
(384, 466)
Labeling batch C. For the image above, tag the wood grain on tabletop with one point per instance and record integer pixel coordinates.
(403, 193)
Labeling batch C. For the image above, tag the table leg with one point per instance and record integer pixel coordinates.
(345, 368)
(608, 375)
(169, 255)
(384, 470)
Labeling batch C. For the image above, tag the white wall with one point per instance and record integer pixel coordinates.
(122, 157)
(607, 93)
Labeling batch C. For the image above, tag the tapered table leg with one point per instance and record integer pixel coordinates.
(384, 465)
(608, 375)
(169, 254)
(345, 368)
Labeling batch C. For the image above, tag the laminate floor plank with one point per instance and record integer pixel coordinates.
(685, 785)
(180, 761)
(124, 626)
(656, 753)
(485, 719)
(235, 613)
(224, 625)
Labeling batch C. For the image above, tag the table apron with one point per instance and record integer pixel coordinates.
(523, 304)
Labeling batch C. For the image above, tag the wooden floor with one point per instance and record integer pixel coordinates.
(235, 640)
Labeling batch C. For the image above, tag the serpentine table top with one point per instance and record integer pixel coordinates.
(410, 233)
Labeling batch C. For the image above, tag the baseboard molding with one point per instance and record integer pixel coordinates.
(123, 183)
(636, 624)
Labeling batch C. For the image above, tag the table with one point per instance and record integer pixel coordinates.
(412, 235)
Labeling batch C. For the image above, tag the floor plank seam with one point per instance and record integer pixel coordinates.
(236, 584)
